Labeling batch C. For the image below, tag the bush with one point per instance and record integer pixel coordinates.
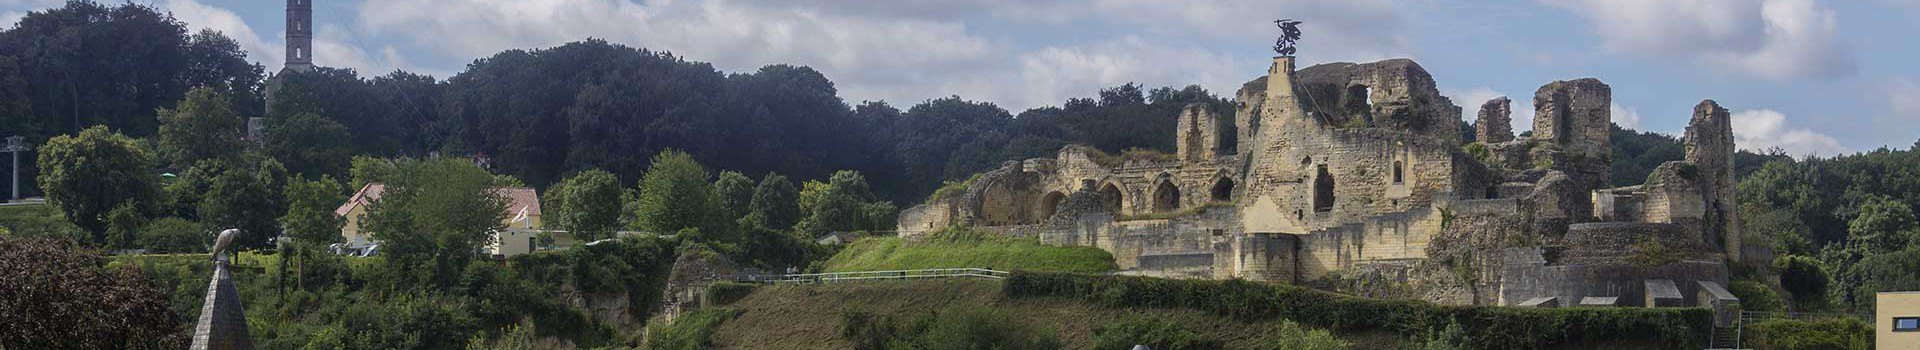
(1755, 295)
(1783, 334)
(722, 293)
(174, 236)
(1156, 334)
(959, 328)
(1485, 327)
(1803, 278)
(692, 331)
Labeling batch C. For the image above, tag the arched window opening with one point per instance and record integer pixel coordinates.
(1399, 172)
(1323, 191)
(1110, 197)
(1222, 190)
(1166, 197)
(1049, 205)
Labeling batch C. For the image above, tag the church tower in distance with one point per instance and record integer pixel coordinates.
(300, 35)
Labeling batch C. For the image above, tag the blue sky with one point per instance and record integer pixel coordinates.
(1809, 76)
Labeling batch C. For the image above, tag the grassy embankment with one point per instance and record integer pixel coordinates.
(951, 250)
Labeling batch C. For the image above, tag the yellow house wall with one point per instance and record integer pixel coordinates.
(1888, 306)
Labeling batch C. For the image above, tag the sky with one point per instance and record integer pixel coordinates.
(1806, 76)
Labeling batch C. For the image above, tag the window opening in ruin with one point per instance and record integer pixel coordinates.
(1166, 197)
(1323, 191)
(1110, 198)
(1050, 205)
(1399, 173)
(1223, 190)
(1229, 136)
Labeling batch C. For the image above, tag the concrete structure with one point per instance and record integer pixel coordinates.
(1896, 321)
(1355, 177)
(521, 233)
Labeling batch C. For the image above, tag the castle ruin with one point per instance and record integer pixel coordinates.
(1356, 177)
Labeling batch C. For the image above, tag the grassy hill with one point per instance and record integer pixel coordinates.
(955, 251)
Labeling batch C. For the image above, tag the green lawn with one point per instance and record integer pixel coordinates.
(893, 253)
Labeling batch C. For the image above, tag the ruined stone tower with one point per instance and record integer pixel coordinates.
(1710, 147)
(300, 35)
(1199, 135)
(1495, 123)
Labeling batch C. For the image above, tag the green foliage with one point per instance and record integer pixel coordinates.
(1882, 225)
(367, 169)
(123, 226)
(1834, 334)
(1483, 327)
(844, 203)
(1154, 333)
(692, 331)
(775, 204)
(88, 174)
(956, 328)
(310, 203)
(434, 215)
(309, 144)
(674, 195)
(732, 196)
(1636, 154)
(1855, 284)
(962, 248)
(952, 189)
(1804, 279)
(203, 126)
(1756, 296)
(63, 297)
(1478, 151)
(246, 192)
(175, 236)
(1652, 253)
(589, 205)
(723, 293)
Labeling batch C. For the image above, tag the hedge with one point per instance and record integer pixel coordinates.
(1486, 327)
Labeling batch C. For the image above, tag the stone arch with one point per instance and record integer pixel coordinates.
(1050, 204)
(1222, 190)
(1166, 196)
(1111, 197)
(1001, 205)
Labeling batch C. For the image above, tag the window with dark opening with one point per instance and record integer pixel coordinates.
(1222, 190)
(1323, 191)
(1110, 198)
(1050, 205)
(1166, 197)
(1399, 172)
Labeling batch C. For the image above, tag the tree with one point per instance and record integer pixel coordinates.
(1805, 279)
(1882, 225)
(123, 226)
(204, 126)
(589, 205)
(310, 220)
(844, 203)
(309, 144)
(673, 195)
(368, 169)
(88, 174)
(435, 216)
(732, 195)
(63, 298)
(775, 204)
(175, 236)
(246, 192)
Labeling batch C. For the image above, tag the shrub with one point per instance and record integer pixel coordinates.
(1156, 334)
(692, 331)
(1755, 295)
(1783, 334)
(959, 328)
(173, 236)
(1485, 327)
(722, 293)
(1803, 278)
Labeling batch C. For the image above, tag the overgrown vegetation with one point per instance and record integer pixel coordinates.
(1131, 154)
(692, 331)
(958, 247)
(1785, 334)
(1480, 327)
(956, 328)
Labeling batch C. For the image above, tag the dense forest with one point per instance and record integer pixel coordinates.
(552, 114)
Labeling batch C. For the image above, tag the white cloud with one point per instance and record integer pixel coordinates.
(330, 43)
(1471, 100)
(10, 18)
(1761, 129)
(908, 51)
(201, 16)
(1772, 39)
(1903, 99)
(1626, 117)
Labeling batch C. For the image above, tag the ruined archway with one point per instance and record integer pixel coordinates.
(1110, 198)
(1222, 190)
(1049, 205)
(1166, 197)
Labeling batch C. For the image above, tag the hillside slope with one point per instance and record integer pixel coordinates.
(810, 316)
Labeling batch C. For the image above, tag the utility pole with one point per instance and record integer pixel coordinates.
(15, 145)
